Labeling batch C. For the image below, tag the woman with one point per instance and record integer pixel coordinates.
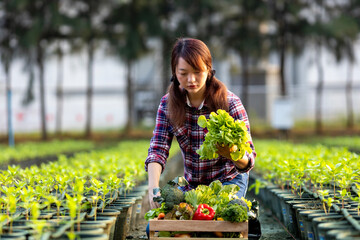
(195, 91)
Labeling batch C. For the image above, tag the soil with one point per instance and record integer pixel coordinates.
(139, 232)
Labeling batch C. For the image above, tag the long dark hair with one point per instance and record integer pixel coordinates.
(194, 52)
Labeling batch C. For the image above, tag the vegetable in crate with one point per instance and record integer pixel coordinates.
(170, 194)
(185, 210)
(235, 213)
(223, 130)
(204, 212)
(155, 213)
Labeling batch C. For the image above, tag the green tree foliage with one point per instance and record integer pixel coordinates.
(290, 22)
(128, 27)
(34, 25)
(29, 27)
(87, 26)
(241, 32)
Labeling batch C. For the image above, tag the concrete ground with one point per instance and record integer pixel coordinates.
(271, 227)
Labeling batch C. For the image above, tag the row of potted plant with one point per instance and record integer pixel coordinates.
(60, 198)
(350, 142)
(30, 150)
(309, 186)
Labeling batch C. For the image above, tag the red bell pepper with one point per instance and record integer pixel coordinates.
(204, 212)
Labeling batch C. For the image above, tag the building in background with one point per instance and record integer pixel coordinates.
(109, 101)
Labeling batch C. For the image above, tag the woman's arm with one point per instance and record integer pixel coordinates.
(154, 172)
(158, 151)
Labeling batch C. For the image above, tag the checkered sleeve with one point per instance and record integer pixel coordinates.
(237, 111)
(161, 141)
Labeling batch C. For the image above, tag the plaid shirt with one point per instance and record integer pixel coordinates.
(190, 137)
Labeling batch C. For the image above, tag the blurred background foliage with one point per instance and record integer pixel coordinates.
(250, 28)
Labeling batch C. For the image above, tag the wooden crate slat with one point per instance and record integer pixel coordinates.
(180, 238)
(198, 225)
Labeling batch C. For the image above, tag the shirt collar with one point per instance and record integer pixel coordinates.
(189, 103)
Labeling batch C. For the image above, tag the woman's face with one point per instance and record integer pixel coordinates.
(192, 80)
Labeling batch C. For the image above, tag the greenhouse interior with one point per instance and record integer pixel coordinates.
(135, 119)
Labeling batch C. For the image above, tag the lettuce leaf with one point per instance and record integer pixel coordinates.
(223, 130)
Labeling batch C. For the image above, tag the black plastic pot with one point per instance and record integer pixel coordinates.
(291, 210)
(86, 236)
(15, 234)
(129, 214)
(275, 204)
(108, 220)
(332, 234)
(110, 213)
(324, 227)
(283, 197)
(348, 235)
(121, 225)
(305, 208)
(85, 228)
(266, 195)
(288, 215)
(306, 217)
(22, 225)
(304, 223)
(319, 218)
(12, 237)
(136, 210)
(92, 224)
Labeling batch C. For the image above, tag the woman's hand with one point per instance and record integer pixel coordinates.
(151, 197)
(225, 152)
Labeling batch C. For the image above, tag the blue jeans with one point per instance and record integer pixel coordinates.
(241, 180)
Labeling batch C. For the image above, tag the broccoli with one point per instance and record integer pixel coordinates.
(170, 194)
(235, 213)
(240, 202)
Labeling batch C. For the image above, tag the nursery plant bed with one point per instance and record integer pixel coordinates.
(197, 226)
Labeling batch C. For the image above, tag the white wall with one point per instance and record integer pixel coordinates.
(109, 110)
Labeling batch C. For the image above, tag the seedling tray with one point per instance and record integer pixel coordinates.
(196, 226)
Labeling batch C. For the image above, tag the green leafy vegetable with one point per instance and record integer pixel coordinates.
(153, 213)
(235, 213)
(223, 130)
(215, 195)
(170, 194)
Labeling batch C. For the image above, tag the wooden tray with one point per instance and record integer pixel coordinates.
(197, 226)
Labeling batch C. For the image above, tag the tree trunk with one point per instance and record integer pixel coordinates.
(349, 104)
(130, 98)
(166, 59)
(282, 66)
(245, 81)
(319, 91)
(40, 62)
(280, 12)
(89, 92)
(10, 132)
(59, 91)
